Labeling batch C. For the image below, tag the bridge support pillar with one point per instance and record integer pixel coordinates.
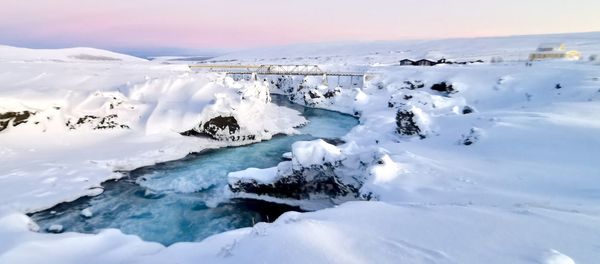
(325, 82)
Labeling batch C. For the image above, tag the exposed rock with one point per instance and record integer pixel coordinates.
(96, 122)
(316, 170)
(301, 184)
(16, 118)
(332, 93)
(334, 141)
(413, 85)
(220, 125)
(443, 87)
(406, 124)
(225, 128)
(313, 94)
(467, 110)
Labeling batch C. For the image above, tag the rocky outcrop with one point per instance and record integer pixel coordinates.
(96, 122)
(412, 85)
(406, 124)
(317, 170)
(301, 184)
(444, 88)
(14, 118)
(221, 126)
(225, 128)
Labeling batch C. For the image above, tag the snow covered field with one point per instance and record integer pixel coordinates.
(513, 180)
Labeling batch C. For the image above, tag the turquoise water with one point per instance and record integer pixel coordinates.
(182, 201)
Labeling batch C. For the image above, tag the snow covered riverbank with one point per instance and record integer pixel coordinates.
(514, 179)
(91, 118)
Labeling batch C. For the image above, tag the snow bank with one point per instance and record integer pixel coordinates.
(66, 127)
(308, 153)
(259, 175)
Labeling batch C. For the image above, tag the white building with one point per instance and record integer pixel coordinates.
(554, 51)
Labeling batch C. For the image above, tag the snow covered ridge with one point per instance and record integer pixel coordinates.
(8, 53)
(339, 55)
(162, 105)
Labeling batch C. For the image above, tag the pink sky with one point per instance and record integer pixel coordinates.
(233, 24)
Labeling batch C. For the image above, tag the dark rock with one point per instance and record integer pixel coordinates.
(467, 110)
(17, 118)
(413, 85)
(313, 95)
(323, 181)
(332, 93)
(223, 128)
(106, 122)
(443, 87)
(193, 133)
(334, 141)
(406, 124)
(221, 123)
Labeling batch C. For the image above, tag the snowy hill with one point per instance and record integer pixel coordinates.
(510, 48)
(70, 54)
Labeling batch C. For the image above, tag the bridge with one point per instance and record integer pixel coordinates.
(281, 70)
(303, 70)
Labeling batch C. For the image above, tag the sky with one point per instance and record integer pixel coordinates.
(220, 25)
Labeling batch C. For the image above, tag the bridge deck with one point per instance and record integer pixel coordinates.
(299, 70)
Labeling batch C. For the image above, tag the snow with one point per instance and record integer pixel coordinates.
(259, 175)
(525, 191)
(155, 102)
(307, 153)
(55, 229)
(555, 257)
(87, 212)
(9, 53)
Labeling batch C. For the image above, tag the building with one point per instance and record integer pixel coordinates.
(548, 51)
(425, 62)
(406, 62)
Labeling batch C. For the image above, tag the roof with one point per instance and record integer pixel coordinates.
(551, 46)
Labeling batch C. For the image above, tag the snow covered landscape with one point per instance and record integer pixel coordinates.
(489, 159)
